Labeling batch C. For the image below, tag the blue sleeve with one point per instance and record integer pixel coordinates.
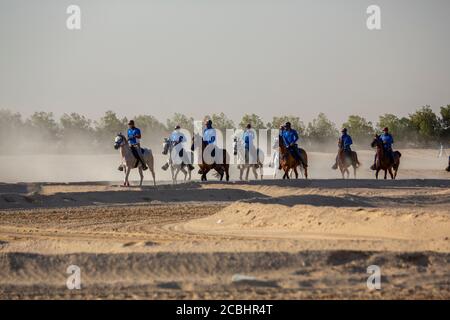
(137, 131)
(350, 141)
(295, 136)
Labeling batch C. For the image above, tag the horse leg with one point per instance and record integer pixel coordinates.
(255, 173)
(247, 172)
(172, 172)
(354, 171)
(296, 172)
(306, 172)
(376, 173)
(241, 172)
(391, 174)
(261, 173)
(141, 174)
(227, 172)
(385, 174)
(151, 166)
(127, 173)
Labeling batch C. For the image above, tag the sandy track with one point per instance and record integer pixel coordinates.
(299, 239)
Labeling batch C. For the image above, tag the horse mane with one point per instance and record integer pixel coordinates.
(120, 134)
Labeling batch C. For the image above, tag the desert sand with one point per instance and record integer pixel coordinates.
(293, 239)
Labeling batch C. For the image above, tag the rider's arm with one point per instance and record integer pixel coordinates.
(295, 136)
(137, 134)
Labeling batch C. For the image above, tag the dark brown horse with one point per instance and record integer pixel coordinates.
(288, 162)
(222, 168)
(383, 162)
(344, 160)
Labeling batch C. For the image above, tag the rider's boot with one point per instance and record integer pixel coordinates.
(165, 166)
(335, 165)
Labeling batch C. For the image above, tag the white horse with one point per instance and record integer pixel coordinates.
(175, 168)
(129, 161)
(239, 150)
(275, 161)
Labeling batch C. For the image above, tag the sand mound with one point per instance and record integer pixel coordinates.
(303, 221)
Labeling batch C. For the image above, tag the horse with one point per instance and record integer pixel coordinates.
(448, 168)
(130, 162)
(288, 162)
(175, 168)
(383, 162)
(239, 151)
(275, 161)
(221, 168)
(344, 161)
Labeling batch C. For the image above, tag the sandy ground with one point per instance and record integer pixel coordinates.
(292, 239)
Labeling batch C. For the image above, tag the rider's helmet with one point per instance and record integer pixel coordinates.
(249, 126)
(131, 123)
(287, 125)
(177, 127)
(386, 129)
(209, 123)
(344, 130)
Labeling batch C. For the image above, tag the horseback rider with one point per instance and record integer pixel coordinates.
(175, 138)
(344, 144)
(290, 138)
(209, 136)
(387, 140)
(248, 137)
(134, 136)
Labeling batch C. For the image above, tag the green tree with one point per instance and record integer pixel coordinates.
(222, 122)
(360, 129)
(445, 124)
(254, 120)
(321, 129)
(43, 124)
(182, 120)
(9, 119)
(426, 123)
(152, 129)
(296, 123)
(75, 124)
(109, 125)
(401, 128)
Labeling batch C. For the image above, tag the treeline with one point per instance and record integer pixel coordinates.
(74, 133)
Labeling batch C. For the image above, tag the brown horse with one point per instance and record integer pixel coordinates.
(383, 162)
(344, 161)
(288, 162)
(221, 168)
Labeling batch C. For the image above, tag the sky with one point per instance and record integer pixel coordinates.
(269, 57)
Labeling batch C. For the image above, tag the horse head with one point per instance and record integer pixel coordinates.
(119, 141)
(376, 141)
(166, 146)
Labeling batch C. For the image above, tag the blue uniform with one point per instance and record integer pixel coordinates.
(346, 141)
(209, 135)
(248, 139)
(387, 140)
(132, 135)
(289, 137)
(177, 137)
